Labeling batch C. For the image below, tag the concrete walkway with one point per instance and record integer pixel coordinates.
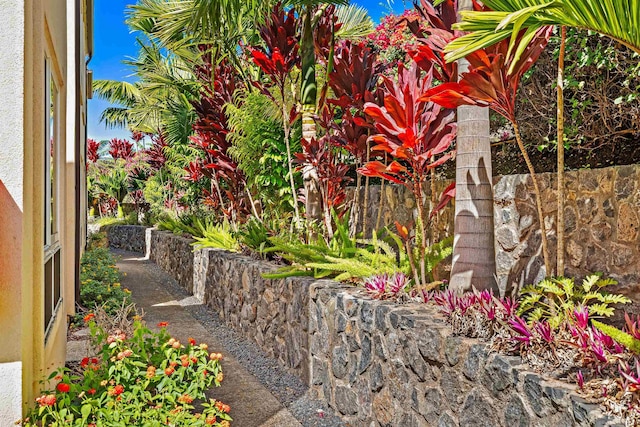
(259, 391)
(252, 405)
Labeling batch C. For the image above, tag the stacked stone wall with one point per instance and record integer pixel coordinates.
(602, 224)
(375, 362)
(126, 237)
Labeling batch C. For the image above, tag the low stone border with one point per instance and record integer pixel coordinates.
(377, 363)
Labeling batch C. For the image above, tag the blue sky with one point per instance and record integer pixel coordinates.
(114, 43)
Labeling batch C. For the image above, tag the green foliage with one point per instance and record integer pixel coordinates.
(343, 258)
(259, 148)
(216, 236)
(621, 337)
(255, 235)
(97, 240)
(100, 281)
(555, 298)
(601, 93)
(142, 379)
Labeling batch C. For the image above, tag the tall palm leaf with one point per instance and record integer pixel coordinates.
(618, 19)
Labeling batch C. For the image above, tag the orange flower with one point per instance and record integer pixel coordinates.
(176, 344)
(219, 377)
(85, 362)
(222, 407)
(48, 400)
(163, 324)
(63, 387)
(215, 356)
(91, 391)
(211, 420)
(185, 398)
(117, 390)
(151, 371)
(192, 341)
(169, 371)
(89, 317)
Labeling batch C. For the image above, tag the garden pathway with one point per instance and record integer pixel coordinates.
(259, 392)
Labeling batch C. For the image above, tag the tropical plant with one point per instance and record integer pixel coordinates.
(316, 14)
(354, 81)
(323, 154)
(258, 146)
(623, 338)
(418, 136)
(493, 81)
(555, 299)
(343, 257)
(93, 150)
(277, 60)
(383, 286)
(618, 19)
(218, 236)
(473, 262)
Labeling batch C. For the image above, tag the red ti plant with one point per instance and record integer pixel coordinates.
(227, 182)
(93, 148)
(417, 134)
(155, 154)
(354, 81)
(493, 80)
(120, 149)
(323, 155)
(277, 59)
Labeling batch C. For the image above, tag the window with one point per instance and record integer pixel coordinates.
(52, 261)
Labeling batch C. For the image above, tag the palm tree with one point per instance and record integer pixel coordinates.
(356, 24)
(160, 99)
(473, 261)
(618, 19)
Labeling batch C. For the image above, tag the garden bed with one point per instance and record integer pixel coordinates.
(371, 360)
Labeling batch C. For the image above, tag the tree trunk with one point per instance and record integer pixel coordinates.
(287, 143)
(538, 194)
(473, 262)
(308, 89)
(560, 222)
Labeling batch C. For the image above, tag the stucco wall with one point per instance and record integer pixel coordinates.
(602, 224)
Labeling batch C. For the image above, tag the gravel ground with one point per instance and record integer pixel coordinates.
(287, 388)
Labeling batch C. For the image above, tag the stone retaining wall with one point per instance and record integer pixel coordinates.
(383, 364)
(271, 312)
(375, 362)
(174, 254)
(127, 237)
(602, 224)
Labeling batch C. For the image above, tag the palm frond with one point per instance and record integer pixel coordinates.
(618, 19)
(355, 21)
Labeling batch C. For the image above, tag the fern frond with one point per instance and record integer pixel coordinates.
(601, 310)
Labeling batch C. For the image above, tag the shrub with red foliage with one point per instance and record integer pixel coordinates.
(93, 148)
(120, 149)
(227, 182)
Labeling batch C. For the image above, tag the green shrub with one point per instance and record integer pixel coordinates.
(144, 379)
(100, 281)
(556, 298)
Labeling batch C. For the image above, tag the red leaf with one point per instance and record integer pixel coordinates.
(448, 194)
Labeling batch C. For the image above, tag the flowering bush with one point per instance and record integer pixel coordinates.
(100, 282)
(146, 378)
